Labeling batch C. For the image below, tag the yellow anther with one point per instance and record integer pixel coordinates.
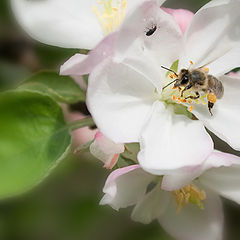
(110, 17)
(191, 62)
(190, 109)
(171, 76)
(206, 69)
(189, 194)
(174, 98)
(178, 100)
(212, 97)
(189, 101)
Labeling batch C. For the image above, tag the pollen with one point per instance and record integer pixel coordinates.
(189, 194)
(110, 17)
(206, 70)
(191, 62)
(179, 100)
(212, 97)
(171, 76)
(189, 101)
(174, 98)
(190, 109)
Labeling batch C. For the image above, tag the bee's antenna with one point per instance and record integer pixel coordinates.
(169, 70)
(169, 84)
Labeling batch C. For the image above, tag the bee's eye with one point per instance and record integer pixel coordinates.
(184, 79)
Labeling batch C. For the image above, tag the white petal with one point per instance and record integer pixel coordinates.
(151, 206)
(63, 23)
(215, 160)
(192, 223)
(214, 31)
(119, 100)
(171, 143)
(163, 45)
(125, 187)
(225, 122)
(226, 63)
(81, 64)
(224, 177)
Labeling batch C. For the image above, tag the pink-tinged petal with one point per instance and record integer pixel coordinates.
(152, 205)
(192, 223)
(119, 100)
(79, 80)
(82, 135)
(165, 141)
(226, 113)
(213, 32)
(214, 161)
(163, 45)
(81, 64)
(125, 187)
(223, 175)
(182, 16)
(234, 74)
(106, 150)
(107, 145)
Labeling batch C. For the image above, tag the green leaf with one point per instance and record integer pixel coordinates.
(33, 139)
(61, 88)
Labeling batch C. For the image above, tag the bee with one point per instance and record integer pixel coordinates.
(198, 80)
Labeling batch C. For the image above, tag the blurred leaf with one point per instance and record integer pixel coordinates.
(61, 88)
(11, 74)
(33, 139)
(131, 151)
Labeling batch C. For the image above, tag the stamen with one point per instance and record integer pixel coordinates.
(174, 98)
(189, 194)
(190, 109)
(191, 62)
(110, 17)
(206, 70)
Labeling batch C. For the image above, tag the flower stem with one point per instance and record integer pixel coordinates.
(81, 123)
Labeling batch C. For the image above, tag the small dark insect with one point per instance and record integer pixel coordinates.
(198, 80)
(151, 30)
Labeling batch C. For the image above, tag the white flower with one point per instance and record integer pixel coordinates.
(185, 208)
(125, 94)
(106, 150)
(71, 23)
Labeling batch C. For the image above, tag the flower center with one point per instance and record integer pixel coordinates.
(189, 98)
(189, 194)
(110, 17)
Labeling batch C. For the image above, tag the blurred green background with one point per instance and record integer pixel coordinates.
(65, 206)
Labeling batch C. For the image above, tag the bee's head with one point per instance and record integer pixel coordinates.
(183, 78)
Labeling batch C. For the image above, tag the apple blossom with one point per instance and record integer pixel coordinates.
(72, 23)
(106, 150)
(125, 94)
(186, 206)
(81, 64)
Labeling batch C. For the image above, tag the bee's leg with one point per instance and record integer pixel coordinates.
(210, 106)
(186, 88)
(194, 97)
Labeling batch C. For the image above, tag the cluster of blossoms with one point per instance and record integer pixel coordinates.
(178, 176)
